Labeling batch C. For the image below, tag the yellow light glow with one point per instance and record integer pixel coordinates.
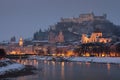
(70, 53)
(62, 54)
(87, 54)
(103, 55)
(13, 52)
(53, 54)
(21, 42)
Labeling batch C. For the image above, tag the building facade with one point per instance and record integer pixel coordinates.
(95, 37)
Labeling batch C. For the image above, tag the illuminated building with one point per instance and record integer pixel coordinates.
(21, 41)
(95, 37)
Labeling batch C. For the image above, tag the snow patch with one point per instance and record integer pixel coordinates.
(9, 66)
(82, 59)
(96, 59)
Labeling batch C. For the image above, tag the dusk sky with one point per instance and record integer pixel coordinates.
(24, 17)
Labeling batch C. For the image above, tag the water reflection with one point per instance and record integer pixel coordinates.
(119, 65)
(53, 63)
(71, 71)
(53, 69)
(88, 64)
(27, 62)
(62, 70)
(108, 66)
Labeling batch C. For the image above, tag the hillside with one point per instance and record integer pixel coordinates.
(72, 28)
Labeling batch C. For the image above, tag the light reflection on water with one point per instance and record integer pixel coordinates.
(108, 66)
(28, 62)
(71, 71)
(62, 70)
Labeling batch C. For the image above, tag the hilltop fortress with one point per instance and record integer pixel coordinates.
(85, 17)
(71, 29)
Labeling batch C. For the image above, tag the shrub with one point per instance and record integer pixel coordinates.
(2, 53)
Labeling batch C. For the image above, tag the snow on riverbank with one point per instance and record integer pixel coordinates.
(41, 57)
(7, 66)
(82, 59)
(96, 59)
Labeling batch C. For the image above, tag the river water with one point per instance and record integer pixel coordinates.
(50, 70)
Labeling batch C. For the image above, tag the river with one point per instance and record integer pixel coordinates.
(50, 70)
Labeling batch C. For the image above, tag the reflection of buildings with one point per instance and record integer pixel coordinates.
(95, 37)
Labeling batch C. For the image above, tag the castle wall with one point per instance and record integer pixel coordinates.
(84, 17)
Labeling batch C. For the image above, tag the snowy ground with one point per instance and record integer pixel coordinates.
(9, 66)
(40, 57)
(83, 59)
(97, 59)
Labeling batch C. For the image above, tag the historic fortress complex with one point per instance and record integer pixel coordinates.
(85, 17)
(95, 36)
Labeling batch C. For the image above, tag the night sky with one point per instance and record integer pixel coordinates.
(24, 17)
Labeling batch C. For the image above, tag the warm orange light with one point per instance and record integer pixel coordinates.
(108, 66)
(53, 54)
(87, 54)
(21, 42)
(103, 55)
(62, 54)
(112, 54)
(13, 52)
(70, 53)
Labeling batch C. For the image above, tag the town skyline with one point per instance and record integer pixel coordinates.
(24, 18)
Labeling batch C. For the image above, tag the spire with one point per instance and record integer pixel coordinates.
(60, 37)
(21, 41)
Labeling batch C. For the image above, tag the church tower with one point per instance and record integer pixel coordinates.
(21, 41)
(60, 37)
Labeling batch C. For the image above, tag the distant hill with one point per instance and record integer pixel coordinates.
(72, 28)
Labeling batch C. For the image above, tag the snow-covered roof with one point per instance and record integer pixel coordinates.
(37, 41)
(61, 46)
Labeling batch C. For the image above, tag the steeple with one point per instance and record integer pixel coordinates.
(21, 41)
(60, 37)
